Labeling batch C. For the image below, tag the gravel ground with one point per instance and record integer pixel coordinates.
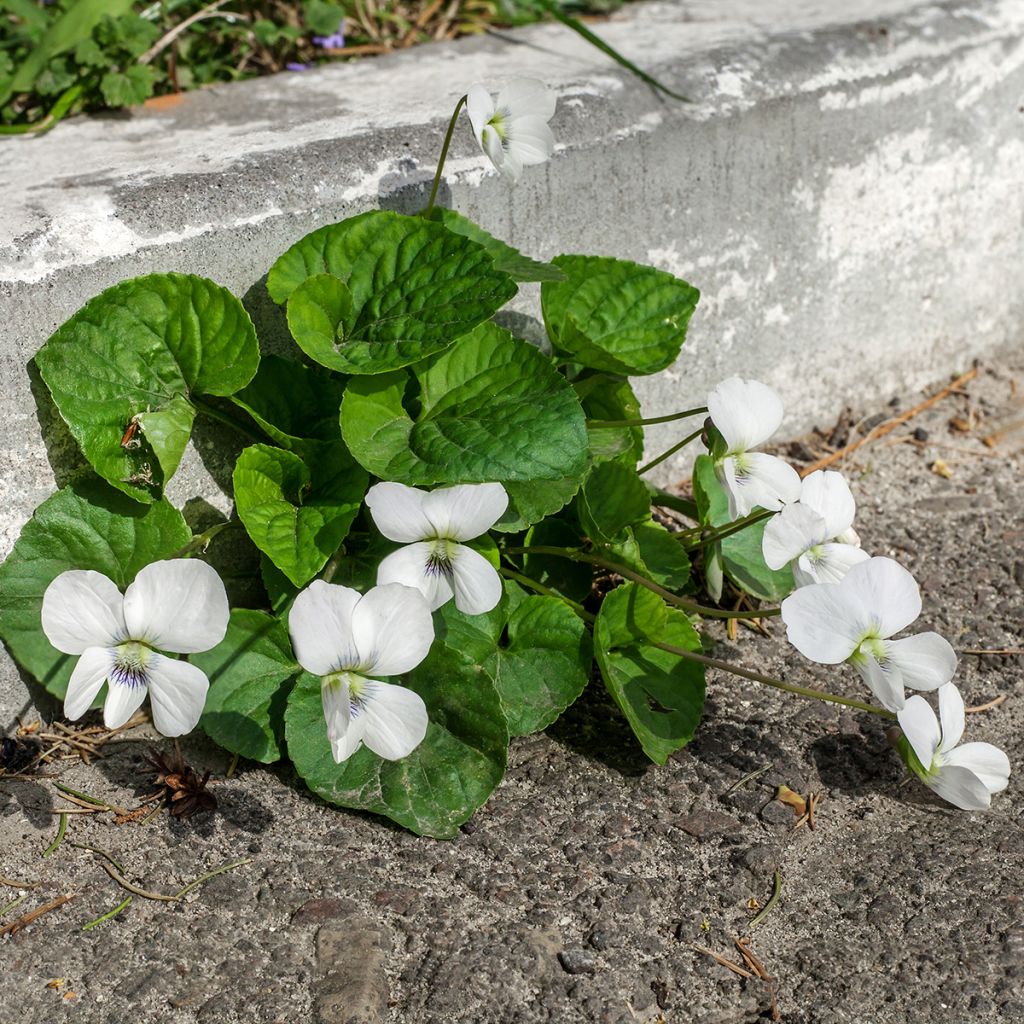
(580, 891)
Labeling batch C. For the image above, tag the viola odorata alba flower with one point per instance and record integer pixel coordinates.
(808, 533)
(513, 130)
(853, 620)
(351, 640)
(746, 413)
(966, 775)
(178, 605)
(433, 526)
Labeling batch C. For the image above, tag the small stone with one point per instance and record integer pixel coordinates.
(318, 911)
(920, 434)
(599, 939)
(703, 824)
(578, 961)
(776, 813)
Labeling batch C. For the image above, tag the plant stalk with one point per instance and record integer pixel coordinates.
(444, 155)
(649, 421)
(666, 455)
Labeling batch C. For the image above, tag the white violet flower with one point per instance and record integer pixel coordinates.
(815, 533)
(746, 413)
(433, 525)
(967, 775)
(177, 605)
(513, 130)
(853, 620)
(349, 640)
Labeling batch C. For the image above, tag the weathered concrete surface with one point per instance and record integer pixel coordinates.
(578, 893)
(845, 190)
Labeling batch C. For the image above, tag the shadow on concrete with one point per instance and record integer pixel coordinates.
(31, 796)
(859, 763)
(270, 321)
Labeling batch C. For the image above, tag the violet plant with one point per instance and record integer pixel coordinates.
(431, 498)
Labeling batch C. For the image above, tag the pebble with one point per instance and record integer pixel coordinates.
(578, 961)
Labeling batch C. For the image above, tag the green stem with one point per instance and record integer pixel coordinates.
(332, 565)
(672, 417)
(222, 417)
(629, 574)
(201, 541)
(662, 498)
(695, 539)
(757, 677)
(772, 900)
(61, 829)
(444, 155)
(666, 455)
(108, 915)
(582, 612)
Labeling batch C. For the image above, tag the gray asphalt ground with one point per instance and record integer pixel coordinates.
(579, 893)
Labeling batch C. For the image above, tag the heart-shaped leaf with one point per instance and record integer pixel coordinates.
(249, 673)
(661, 694)
(85, 526)
(491, 408)
(298, 514)
(124, 371)
(382, 290)
(617, 316)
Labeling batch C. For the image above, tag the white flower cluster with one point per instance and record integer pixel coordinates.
(352, 641)
(848, 606)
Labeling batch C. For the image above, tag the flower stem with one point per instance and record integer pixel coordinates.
(222, 417)
(665, 455)
(694, 539)
(672, 417)
(201, 541)
(539, 588)
(444, 155)
(757, 677)
(629, 574)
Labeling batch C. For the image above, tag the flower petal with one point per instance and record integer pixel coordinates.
(828, 493)
(531, 139)
(745, 412)
(395, 719)
(789, 534)
(177, 605)
(480, 107)
(952, 715)
(177, 695)
(961, 787)
(82, 609)
(921, 727)
(464, 512)
(926, 661)
(320, 625)
(821, 624)
(828, 563)
(988, 762)
(884, 681)
(123, 700)
(398, 512)
(510, 165)
(412, 567)
(477, 583)
(393, 629)
(886, 592)
(344, 733)
(527, 97)
(86, 680)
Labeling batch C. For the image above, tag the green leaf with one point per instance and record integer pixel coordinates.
(649, 549)
(741, 556)
(511, 261)
(566, 575)
(410, 288)
(322, 17)
(535, 650)
(534, 500)
(293, 402)
(490, 408)
(249, 672)
(128, 88)
(617, 316)
(84, 526)
(295, 513)
(442, 782)
(613, 497)
(611, 398)
(141, 350)
(64, 34)
(661, 694)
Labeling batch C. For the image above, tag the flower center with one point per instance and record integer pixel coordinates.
(439, 561)
(872, 646)
(359, 688)
(497, 122)
(130, 661)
